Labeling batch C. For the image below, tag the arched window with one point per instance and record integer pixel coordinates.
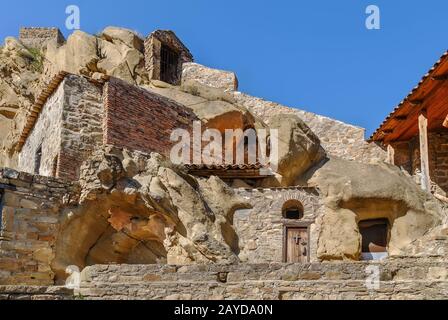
(293, 209)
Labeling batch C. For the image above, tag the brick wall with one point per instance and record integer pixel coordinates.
(139, 120)
(407, 156)
(30, 208)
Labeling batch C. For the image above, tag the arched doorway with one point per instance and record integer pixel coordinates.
(295, 234)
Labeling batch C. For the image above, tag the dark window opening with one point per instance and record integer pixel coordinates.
(293, 210)
(375, 234)
(55, 167)
(169, 60)
(1, 210)
(38, 160)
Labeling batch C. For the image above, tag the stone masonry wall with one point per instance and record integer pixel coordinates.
(82, 125)
(45, 134)
(153, 45)
(260, 229)
(29, 208)
(137, 119)
(68, 129)
(39, 37)
(338, 139)
(403, 278)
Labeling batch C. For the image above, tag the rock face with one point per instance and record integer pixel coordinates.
(20, 70)
(353, 192)
(298, 147)
(116, 52)
(137, 208)
(210, 77)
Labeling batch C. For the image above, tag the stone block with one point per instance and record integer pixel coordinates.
(10, 173)
(215, 78)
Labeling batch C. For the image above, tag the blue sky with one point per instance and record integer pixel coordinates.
(315, 55)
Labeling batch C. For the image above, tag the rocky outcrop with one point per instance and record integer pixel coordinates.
(353, 192)
(115, 52)
(20, 70)
(220, 79)
(137, 208)
(298, 147)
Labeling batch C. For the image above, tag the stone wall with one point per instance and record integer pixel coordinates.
(137, 119)
(404, 278)
(153, 45)
(407, 156)
(35, 293)
(67, 130)
(46, 135)
(260, 229)
(82, 125)
(338, 138)
(40, 37)
(30, 207)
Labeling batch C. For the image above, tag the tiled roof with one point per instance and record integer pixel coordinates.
(250, 171)
(425, 86)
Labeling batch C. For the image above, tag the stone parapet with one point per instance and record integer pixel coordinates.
(403, 278)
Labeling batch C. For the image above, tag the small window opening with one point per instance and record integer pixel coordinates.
(55, 167)
(1, 210)
(375, 236)
(38, 160)
(169, 60)
(293, 210)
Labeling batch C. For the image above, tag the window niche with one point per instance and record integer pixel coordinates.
(164, 56)
(375, 235)
(38, 160)
(293, 210)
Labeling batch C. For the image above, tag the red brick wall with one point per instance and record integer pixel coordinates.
(407, 155)
(140, 120)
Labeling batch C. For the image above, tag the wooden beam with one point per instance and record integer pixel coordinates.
(440, 78)
(400, 118)
(390, 154)
(415, 103)
(424, 157)
(445, 122)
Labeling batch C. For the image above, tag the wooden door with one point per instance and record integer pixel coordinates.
(297, 245)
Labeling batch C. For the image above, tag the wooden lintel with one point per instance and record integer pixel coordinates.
(400, 118)
(416, 102)
(441, 77)
(424, 153)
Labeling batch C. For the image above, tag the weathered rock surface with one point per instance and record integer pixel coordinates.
(298, 147)
(354, 191)
(139, 208)
(20, 70)
(210, 77)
